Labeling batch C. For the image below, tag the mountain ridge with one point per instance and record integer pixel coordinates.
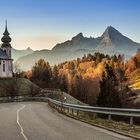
(16, 54)
(110, 42)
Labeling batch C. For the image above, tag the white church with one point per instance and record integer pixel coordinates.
(6, 62)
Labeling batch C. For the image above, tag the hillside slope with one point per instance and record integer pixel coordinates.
(135, 87)
(136, 84)
(17, 86)
(22, 86)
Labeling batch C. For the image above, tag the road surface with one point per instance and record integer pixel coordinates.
(37, 121)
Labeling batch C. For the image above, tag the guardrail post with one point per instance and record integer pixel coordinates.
(60, 108)
(57, 107)
(68, 110)
(72, 111)
(109, 117)
(77, 113)
(54, 106)
(85, 115)
(64, 110)
(131, 120)
(94, 115)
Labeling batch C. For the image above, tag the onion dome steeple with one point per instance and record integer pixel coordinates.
(6, 30)
(6, 38)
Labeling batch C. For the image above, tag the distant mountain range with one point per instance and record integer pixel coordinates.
(16, 54)
(110, 42)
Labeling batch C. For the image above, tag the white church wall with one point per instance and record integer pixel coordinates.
(7, 71)
(10, 68)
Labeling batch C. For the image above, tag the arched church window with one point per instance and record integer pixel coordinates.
(3, 66)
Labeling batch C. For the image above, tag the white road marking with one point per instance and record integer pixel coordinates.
(22, 131)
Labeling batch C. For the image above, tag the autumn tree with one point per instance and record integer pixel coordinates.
(41, 73)
(76, 87)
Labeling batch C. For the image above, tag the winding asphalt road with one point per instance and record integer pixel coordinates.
(37, 121)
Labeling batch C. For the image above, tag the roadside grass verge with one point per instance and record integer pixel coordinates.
(120, 127)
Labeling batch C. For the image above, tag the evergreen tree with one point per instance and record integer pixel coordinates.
(76, 86)
(55, 76)
(109, 94)
(63, 83)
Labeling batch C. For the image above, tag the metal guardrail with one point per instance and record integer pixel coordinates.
(131, 113)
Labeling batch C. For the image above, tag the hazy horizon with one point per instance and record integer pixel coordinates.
(41, 25)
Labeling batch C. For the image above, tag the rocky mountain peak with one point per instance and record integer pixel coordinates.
(111, 32)
(111, 36)
(78, 37)
(111, 28)
(29, 49)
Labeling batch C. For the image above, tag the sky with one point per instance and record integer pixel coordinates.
(41, 24)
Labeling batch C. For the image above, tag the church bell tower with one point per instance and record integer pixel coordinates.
(6, 39)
